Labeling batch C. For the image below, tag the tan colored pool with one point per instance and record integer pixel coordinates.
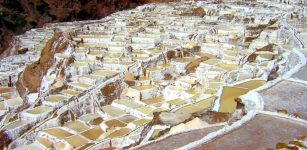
(15, 124)
(8, 118)
(252, 84)
(86, 146)
(229, 94)
(153, 100)
(156, 133)
(79, 64)
(266, 54)
(115, 123)
(210, 91)
(215, 85)
(45, 142)
(56, 98)
(206, 103)
(119, 133)
(141, 122)
(76, 126)
(88, 117)
(81, 85)
(146, 110)
(93, 133)
(58, 133)
(70, 92)
(76, 141)
(127, 118)
(40, 110)
(95, 52)
(105, 73)
(228, 67)
(143, 87)
(128, 103)
(189, 109)
(113, 111)
(177, 102)
(211, 61)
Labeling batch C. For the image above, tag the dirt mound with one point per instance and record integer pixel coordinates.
(194, 64)
(199, 11)
(111, 91)
(30, 80)
(4, 140)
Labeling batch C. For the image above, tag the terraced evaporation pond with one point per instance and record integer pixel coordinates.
(88, 117)
(113, 111)
(58, 133)
(40, 110)
(229, 94)
(81, 85)
(105, 73)
(76, 141)
(196, 107)
(252, 84)
(141, 122)
(115, 123)
(76, 126)
(16, 124)
(79, 64)
(177, 102)
(70, 92)
(128, 103)
(93, 134)
(56, 98)
(45, 142)
(141, 88)
(119, 133)
(228, 67)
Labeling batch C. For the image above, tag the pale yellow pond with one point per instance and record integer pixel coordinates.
(119, 133)
(252, 84)
(93, 133)
(113, 111)
(58, 133)
(40, 110)
(229, 94)
(76, 141)
(15, 124)
(77, 126)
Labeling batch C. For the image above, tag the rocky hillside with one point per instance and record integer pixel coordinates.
(17, 16)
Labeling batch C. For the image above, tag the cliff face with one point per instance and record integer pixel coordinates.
(17, 16)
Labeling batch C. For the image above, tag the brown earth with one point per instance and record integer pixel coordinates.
(262, 132)
(170, 55)
(269, 48)
(194, 64)
(30, 79)
(286, 95)
(4, 140)
(179, 140)
(111, 91)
